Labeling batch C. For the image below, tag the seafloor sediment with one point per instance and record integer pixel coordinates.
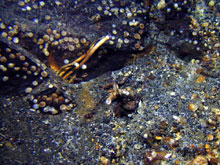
(149, 95)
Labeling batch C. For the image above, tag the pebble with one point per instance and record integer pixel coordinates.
(211, 3)
(137, 146)
(210, 137)
(104, 160)
(201, 79)
(28, 90)
(192, 107)
(200, 160)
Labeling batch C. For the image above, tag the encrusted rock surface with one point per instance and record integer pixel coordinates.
(161, 105)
